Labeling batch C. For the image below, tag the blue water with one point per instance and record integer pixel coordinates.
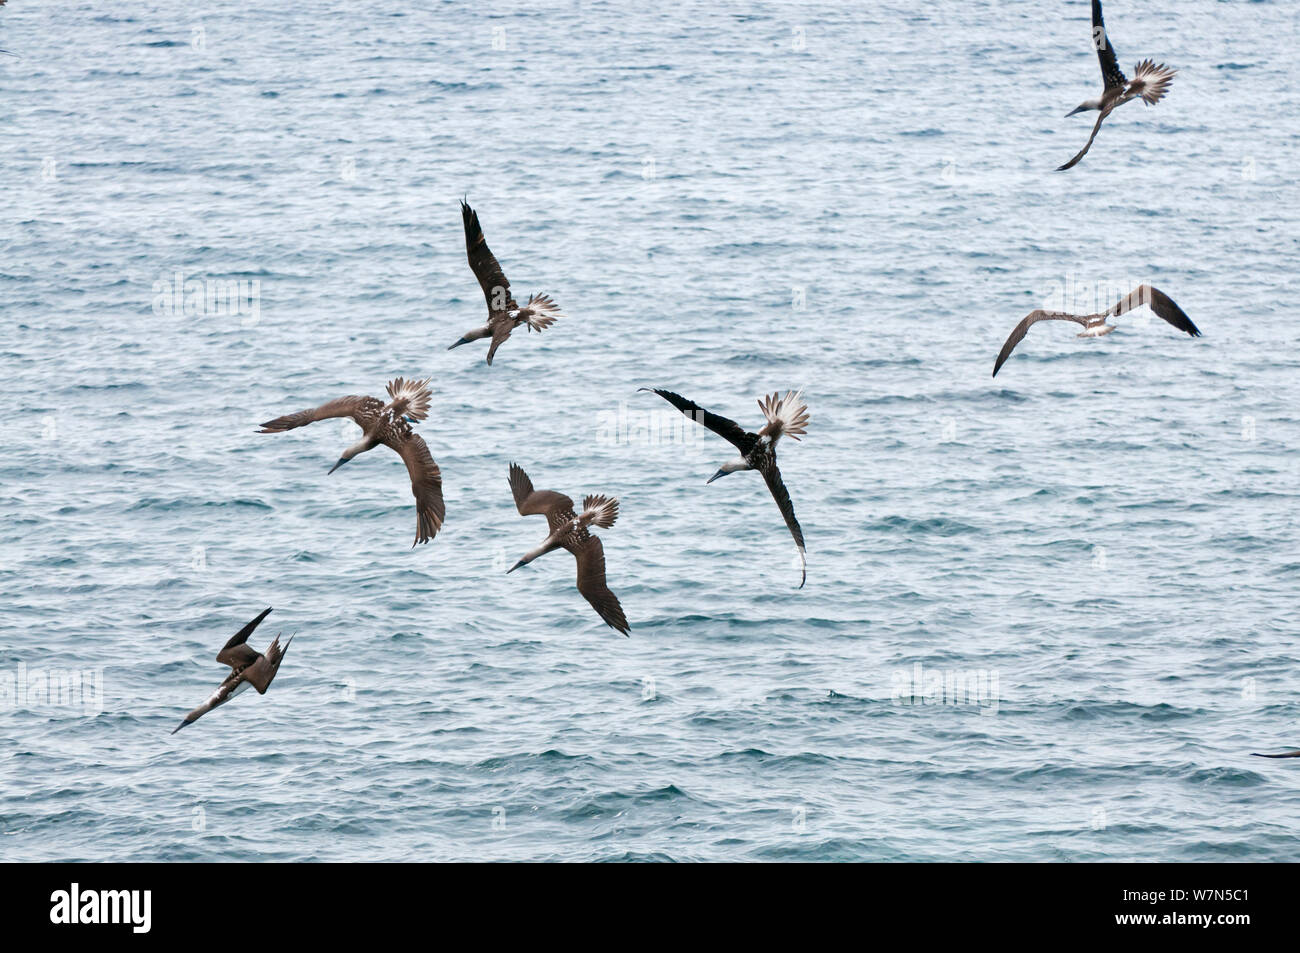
(1104, 538)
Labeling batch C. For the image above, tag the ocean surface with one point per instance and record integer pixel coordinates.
(1048, 616)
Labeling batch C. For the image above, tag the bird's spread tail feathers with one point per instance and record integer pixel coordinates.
(785, 415)
(1152, 80)
(540, 312)
(599, 510)
(410, 398)
(275, 651)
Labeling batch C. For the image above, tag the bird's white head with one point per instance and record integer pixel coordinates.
(731, 466)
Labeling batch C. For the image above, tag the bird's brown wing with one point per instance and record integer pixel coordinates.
(261, 672)
(782, 496)
(235, 653)
(724, 427)
(530, 502)
(591, 583)
(1088, 145)
(361, 409)
(484, 264)
(1111, 74)
(426, 484)
(1160, 303)
(1018, 333)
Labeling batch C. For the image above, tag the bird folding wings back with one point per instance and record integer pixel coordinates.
(235, 652)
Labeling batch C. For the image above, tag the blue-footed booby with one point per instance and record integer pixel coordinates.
(1150, 81)
(247, 667)
(569, 531)
(1094, 325)
(390, 424)
(504, 313)
(786, 416)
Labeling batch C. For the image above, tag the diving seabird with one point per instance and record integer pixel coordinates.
(785, 416)
(504, 313)
(389, 424)
(1285, 754)
(569, 531)
(1149, 81)
(247, 667)
(1094, 325)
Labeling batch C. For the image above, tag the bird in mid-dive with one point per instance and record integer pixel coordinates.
(390, 424)
(504, 313)
(569, 531)
(1150, 81)
(1094, 325)
(247, 667)
(1284, 754)
(786, 416)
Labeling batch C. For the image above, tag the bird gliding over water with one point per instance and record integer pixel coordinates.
(389, 424)
(248, 667)
(785, 415)
(504, 313)
(1149, 81)
(1094, 325)
(569, 531)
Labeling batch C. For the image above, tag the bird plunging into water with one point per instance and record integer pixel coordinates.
(1094, 325)
(569, 531)
(390, 424)
(247, 667)
(504, 313)
(786, 416)
(1150, 81)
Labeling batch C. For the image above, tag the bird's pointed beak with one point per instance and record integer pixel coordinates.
(1076, 109)
(337, 465)
(458, 344)
(515, 566)
(720, 473)
(179, 727)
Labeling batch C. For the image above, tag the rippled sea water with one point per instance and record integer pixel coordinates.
(726, 200)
